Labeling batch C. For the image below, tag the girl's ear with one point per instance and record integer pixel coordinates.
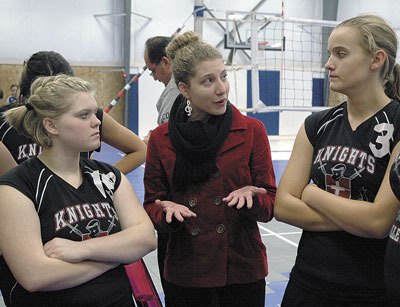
(184, 89)
(378, 60)
(50, 125)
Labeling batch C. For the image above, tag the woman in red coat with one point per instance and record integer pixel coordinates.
(208, 181)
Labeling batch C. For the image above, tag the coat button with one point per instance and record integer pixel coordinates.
(220, 228)
(216, 174)
(195, 232)
(193, 203)
(218, 200)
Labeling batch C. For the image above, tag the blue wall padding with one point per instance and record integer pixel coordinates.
(199, 13)
(318, 92)
(269, 94)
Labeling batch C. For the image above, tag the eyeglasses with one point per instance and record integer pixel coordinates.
(153, 71)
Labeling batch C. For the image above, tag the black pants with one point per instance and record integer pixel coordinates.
(162, 241)
(243, 295)
(296, 296)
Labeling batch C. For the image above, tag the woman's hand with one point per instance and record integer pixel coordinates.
(172, 209)
(66, 250)
(243, 196)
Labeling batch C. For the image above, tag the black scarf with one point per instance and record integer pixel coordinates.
(196, 144)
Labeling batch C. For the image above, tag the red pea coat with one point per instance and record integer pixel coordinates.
(222, 245)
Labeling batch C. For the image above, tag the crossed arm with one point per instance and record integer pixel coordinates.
(289, 207)
(64, 263)
(309, 207)
(361, 218)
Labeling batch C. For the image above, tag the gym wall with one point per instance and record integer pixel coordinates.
(107, 82)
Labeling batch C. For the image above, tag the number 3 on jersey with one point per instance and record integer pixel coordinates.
(385, 135)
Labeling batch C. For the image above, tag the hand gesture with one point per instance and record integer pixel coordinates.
(180, 212)
(243, 196)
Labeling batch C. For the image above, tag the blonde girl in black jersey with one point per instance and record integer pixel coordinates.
(345, 152)
(67, 223)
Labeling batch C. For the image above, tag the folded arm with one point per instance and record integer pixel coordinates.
(361, 218)
(22, 249)
(289, 207)
(136, 238)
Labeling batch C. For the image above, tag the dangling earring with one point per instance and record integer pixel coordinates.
(188, 108)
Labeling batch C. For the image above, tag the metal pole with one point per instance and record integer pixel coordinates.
(198, 22)
(127, 53)
(255, 87)
(330, 9)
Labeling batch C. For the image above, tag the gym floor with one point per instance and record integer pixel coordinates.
(280, 239)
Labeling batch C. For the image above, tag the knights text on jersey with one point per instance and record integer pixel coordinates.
(351, 164)
(76, 214)
(20, 147)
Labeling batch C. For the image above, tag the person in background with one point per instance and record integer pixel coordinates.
(1, 96)
(78, 219)
(13, 95)
(215, 256)
(346, 153)
(160, 67)
(48, 63)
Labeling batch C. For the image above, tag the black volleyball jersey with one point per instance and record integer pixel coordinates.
(392, 259)
(76, 214)
(22, 147)
(350, 164)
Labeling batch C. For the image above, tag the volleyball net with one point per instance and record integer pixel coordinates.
(287, 58)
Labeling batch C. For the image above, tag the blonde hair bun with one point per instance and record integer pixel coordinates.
(186, 39)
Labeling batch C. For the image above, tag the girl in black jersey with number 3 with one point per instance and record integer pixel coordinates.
(67, 223)
(347, 210)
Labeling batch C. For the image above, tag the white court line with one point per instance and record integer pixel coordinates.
(280, 155)
(281, 233)
(278, 236)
